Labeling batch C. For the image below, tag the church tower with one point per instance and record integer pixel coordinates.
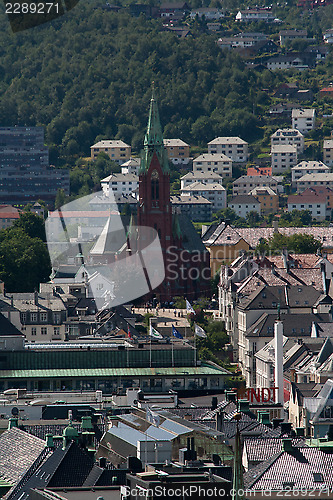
(154, 182)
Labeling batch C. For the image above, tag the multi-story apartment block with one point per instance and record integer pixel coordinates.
(120, 184)
(254, 15)
(308, 167)
(315, 180)
(234, 147)
(8, 215)
(197, 208)
(131, 166)
(213, 192)
(290, 35)
(203, 177)
(315, 203)
(219, 163)
(328, 152)
(242, 205)
(25, 172)
(268, 199)
(303, 119)
(283, 158)
(39, 316)
(118, 151)
(178, 151)
(245, 184)
(289, 136)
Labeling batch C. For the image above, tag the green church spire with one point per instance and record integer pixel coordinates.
(153, 141)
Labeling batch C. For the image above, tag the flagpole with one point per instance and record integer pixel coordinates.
(172, 356)
(195, 349)
(150, 342)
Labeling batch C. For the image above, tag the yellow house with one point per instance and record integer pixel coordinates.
(268, 199)
(117, 150)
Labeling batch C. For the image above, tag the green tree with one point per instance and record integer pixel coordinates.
(33, 225)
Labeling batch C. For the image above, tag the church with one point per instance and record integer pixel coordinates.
(187, 263)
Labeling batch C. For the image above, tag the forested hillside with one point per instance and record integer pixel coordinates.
(88, 75)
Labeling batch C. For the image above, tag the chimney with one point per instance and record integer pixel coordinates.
(86, 423)
(286, 428)
(263, 418)
(12, 422)
(214, 403)
(276, 422)
(231, 396)
(244, 406)
(287, 445)
(12, 301)
(102, 462)
(36, 298)
(219, 421)
(300, 431)
(278, 346)
(49, 441)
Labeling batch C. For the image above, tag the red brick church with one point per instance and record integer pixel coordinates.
(187, 268)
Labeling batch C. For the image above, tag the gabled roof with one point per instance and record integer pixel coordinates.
(7, 328)
(261, 449)
(244, 200)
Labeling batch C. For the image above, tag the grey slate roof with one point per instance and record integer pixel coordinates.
(261, 449)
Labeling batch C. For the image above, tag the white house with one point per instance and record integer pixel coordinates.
(316, 204)
(308, 167)
(131, 166)
(314, 180)
(208, 12)
(120, 184)
(244, 204)
(234, 147)
(328, 152)
(203, 177)
(253, 15)
(219, 163)
(303, 119)
(289, 136)
(283, 157)
(213, 192)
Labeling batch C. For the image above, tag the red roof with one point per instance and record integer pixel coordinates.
(259, 171)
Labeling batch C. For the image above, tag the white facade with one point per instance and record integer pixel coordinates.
(245, 184)
(308, 167)
(303, 119)
(218, 163)
(120, 184)
(328, 152)
(289, 136)
(317, 207)
(131, 166)
(243, 205)
(283, 158)
(203, 177)
(207, 12)
(213, 192)
(234, 147)
(314, 180)
(251, 15)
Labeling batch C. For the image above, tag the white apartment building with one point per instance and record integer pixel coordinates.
(118, 151)
(313, 180)
(203, 177)
(253, 15)
(308, 167)
(234, 147)
(316, 204)
(289, 136)
(245, 184)
(219, 163)
(120, 184)
(213, 192)
(244, 204)
(303, 119)
(131, 166)
(283, 157)
(328, 152)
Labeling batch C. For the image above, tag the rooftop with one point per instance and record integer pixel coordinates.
(227, 140)
(110, 144)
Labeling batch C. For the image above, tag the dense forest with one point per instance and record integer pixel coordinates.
(87, 76)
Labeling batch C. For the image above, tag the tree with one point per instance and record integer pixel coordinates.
(32, 224)
(60, 199)
(296, 243)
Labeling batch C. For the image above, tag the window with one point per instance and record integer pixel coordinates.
(43, 317)
(56, 330)
(43, 330)
(23, 317)
(33, 317)
(33, 330)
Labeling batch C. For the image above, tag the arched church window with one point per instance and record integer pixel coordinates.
(155, 187)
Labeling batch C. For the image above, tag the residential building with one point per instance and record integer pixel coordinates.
(283, 158)
(234, 147)
(314, 180)
(326, 92)
(328, 152)
(209, 13)
(118, 151)
(290, 137)
(256, 170)
(242, 205)
(245, 183)
(39, 316)
(174, 9)
(219, 163)
(254, 15)
(303, 119)
(214, 192)
(328, 36)
(178, 151)
(120, 184)
(25, 172)
(307, 167)
(286, 90)
(203, 177)
(268, 199)
(314, 203)
(8, 215)
(286, 62)
(290, 35)
(131, 166)
(197, 208)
